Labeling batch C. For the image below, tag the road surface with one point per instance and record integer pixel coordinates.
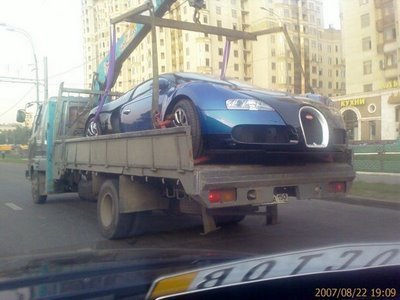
(66, 223)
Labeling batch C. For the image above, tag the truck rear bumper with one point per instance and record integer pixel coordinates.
(257, 185)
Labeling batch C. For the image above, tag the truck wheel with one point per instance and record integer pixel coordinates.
(185, 114)
(37, 181)
(112, 224)
(227, 219)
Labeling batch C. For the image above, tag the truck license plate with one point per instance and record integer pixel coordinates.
(281, 198)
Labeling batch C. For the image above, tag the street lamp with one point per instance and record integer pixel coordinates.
(27, 35)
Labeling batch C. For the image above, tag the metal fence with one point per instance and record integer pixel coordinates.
(377, 156)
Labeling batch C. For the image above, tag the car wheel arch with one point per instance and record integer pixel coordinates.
(175, 100)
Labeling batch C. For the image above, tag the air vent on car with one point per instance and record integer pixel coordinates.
(314, 126)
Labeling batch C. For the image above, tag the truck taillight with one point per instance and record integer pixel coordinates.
(226, 195)
(337, 187)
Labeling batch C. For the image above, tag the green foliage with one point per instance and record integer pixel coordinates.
(20, 135)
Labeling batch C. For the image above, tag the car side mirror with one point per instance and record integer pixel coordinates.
(21, 115)
(163, 85)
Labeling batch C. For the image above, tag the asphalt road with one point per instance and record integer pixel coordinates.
(66, 223)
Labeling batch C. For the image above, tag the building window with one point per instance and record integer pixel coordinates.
(235, 53)
(320, 72)
(371, 108)
(162, 55)
(220, 51)
(273, 79)
(314, 82)
(372, 130)
(236, 67)
(219, 23)
(320, 84)
(207, 47)
(219, 38)
(364, 20)
(366, 44)
(205, 19)
(162, 69)
(351, 124)
(187, 51)
(273, 52)
(186, 37)
(330, 73)
(397, 117)
(161, 42)
(273, 66)
(391, 60)
(272, 39)
(234, 13)
(207, 62)
(314, 70)
(330, 84)
(367, 67)
(286, 13)
(389, 34)
(368, 87)
(187, 65)
(218, 10)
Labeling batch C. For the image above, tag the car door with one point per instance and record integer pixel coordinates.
(136, 115)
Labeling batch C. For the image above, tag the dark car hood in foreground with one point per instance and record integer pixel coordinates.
(131, 272)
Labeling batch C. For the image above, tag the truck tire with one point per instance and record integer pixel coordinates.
(185, 114)
(228, 219)
(112, 224)
(37, 179)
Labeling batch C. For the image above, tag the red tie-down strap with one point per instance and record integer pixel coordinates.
(160, 123)
(168, 121)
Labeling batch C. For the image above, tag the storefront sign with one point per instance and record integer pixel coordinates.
(352, 102)
(391, 84)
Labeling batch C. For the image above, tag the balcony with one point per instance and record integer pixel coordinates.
(381, 3)
(385, 22)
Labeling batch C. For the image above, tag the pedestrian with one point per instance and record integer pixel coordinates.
(3, 154)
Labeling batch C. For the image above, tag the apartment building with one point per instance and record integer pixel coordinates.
(371, 107)
(370, 41)
(267, 62)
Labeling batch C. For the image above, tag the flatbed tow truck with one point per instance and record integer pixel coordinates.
(131, 174)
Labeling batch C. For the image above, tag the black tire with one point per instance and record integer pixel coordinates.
(185, 114)
(36, 180)
(228, 219)
(112, 224)
(92, 127)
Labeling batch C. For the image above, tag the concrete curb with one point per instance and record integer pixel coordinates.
(368, 202)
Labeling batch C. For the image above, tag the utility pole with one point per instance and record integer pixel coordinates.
(297, 66)
(45, 79)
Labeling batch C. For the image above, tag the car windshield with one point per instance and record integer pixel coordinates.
(172, 135)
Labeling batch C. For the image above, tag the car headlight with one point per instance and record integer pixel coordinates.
(247, 104)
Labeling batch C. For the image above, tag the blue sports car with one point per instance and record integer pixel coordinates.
(227, 115)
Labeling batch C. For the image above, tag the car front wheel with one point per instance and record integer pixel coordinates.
(185, 114)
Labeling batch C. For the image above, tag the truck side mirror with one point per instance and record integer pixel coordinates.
(21, 115)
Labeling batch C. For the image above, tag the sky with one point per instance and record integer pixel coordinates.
(56, 32)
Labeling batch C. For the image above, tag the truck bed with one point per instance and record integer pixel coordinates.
(167, 153)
